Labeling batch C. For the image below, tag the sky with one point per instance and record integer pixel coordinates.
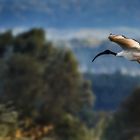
(59, 16)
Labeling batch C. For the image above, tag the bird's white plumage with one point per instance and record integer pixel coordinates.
(127, 54)
(131, 48)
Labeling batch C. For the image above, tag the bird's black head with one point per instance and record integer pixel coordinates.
(107, 52)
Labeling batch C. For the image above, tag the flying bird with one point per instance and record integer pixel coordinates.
(130, 48)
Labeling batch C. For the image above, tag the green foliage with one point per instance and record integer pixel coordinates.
(28, 42)
(70, 128)
(114, 129)
(6, 40)
(66, 88)
(8, 121)
(23, 82)
(125, 123)
(43, 82)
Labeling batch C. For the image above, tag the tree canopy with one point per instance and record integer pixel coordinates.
(125, 123)
(42, 81)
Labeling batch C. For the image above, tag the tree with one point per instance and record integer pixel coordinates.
(67, 89)
(131, 114)
(8, 121)
(43, 81)
(23, 82)
(6, 40)
(125, 123)
(29, 42)
(70, 128)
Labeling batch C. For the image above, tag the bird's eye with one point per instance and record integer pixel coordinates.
(123, 36)
(107, 51)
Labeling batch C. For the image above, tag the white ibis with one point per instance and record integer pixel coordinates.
(131, 48)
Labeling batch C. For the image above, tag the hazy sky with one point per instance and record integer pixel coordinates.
(70, 13)
(101, 15)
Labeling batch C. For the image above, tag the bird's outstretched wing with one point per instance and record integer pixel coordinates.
(124, 42)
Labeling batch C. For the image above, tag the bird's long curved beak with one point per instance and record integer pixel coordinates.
(104, 53)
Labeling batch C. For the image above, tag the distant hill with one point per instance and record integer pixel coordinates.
(111, 89)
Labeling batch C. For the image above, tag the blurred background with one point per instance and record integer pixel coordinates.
(49, 88)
